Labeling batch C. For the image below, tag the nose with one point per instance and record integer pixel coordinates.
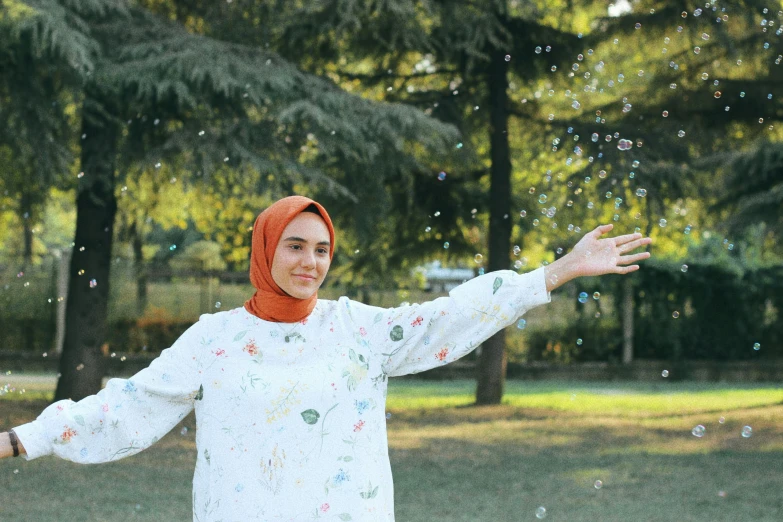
(308, 260)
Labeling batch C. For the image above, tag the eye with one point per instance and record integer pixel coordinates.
(323, 251)
(295, 247)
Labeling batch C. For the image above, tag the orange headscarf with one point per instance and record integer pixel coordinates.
(270, 302)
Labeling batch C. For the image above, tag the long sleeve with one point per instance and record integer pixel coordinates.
(125, 417)
(418, 337)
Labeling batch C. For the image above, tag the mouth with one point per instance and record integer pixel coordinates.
(304, 277)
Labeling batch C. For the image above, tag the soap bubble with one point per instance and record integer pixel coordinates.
(441, 176)
(218, 304)
(698, 431)
(747, 432)
(522, 213)
(446, 245)
(579, 342)
(596, 296)
(541, 512)
(521, 324)
(583, 297)
(684, 268)
(675, 314)
(681, 133)
(542, 198)
(93, 283)
(662, 223)
(478, 258)
(598, 484)
(756, 346)
(388, 415)
(641, 192)
(722, 420)
(665, 373)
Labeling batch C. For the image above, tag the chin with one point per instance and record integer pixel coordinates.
(302, 293)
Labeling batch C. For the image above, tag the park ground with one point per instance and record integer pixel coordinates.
(546, 447)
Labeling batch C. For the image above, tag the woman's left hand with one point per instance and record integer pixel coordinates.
(594, 255)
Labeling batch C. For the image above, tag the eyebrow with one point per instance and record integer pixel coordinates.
(302, 240)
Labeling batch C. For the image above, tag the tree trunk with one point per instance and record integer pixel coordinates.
(141, 271)
(627, 321)
(81, 363)
(26, 208)
(492, 361)
(62, 291)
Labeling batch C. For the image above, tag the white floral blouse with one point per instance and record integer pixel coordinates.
(291, 421)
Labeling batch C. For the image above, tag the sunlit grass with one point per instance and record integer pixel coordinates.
(623, 399)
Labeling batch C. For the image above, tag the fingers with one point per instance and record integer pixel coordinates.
(601, 230)
(633, 259)
(627, 269)
(620, 240)
(633, 245)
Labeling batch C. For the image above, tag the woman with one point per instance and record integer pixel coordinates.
(289, 390)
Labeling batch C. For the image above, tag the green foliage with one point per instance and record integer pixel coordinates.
(753, 188)
(721, 312)
(201, 255)
(713, 309)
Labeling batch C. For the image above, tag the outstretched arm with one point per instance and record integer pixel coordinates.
(594, 255)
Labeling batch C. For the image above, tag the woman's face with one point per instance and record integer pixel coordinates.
(301, 258)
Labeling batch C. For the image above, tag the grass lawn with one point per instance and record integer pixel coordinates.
(546, 446)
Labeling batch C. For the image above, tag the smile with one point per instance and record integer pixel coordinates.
(304, 277)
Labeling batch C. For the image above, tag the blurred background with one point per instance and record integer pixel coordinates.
(446, 139)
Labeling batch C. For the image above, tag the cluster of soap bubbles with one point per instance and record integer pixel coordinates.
(699, 430)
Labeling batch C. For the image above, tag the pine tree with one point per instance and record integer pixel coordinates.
(132, 61)
(34, 128)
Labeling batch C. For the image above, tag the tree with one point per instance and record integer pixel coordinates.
(135, 62)
(35, 130)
